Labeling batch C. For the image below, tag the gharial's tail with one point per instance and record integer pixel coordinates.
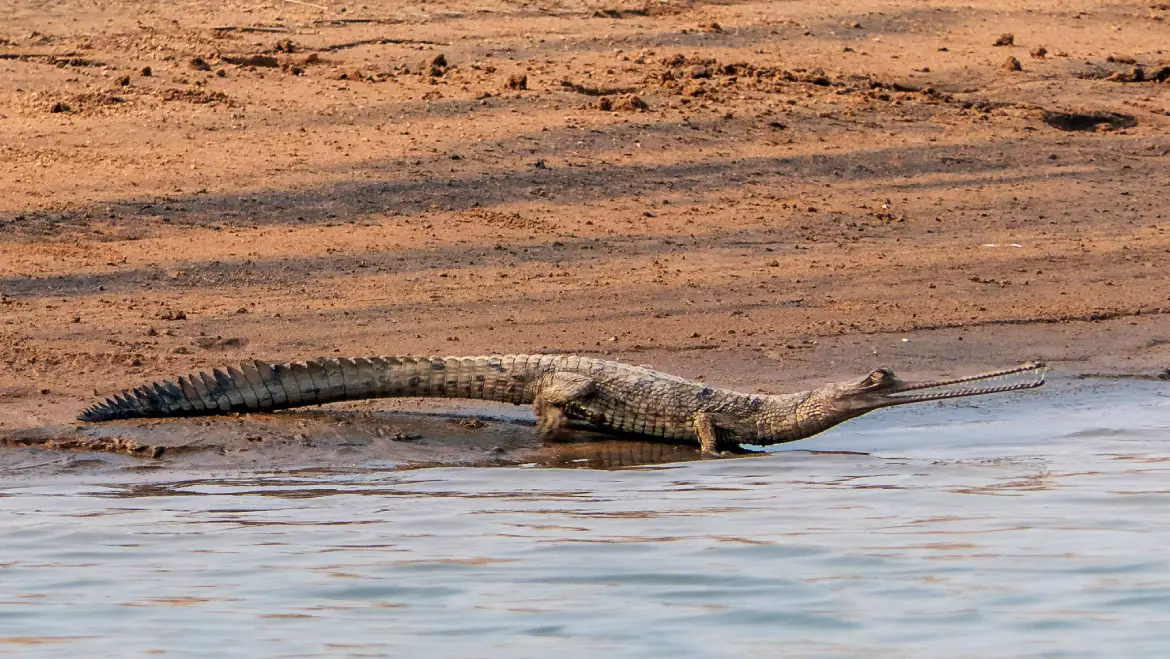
(257, 386)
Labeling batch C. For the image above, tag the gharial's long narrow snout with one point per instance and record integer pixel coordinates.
(833, 403)
(893, 391)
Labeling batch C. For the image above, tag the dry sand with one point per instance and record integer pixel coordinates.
(763, 194)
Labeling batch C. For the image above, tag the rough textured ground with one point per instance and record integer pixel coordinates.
(766, 194)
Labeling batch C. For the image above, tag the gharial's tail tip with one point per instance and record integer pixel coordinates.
(94, 413)
(104, 411)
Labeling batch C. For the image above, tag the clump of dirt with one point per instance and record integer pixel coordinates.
(620, 13)
(1088, 121)
(623, 103)
(59, 61)
(85, 103)
(120, 445)
(594, 91)
(437, 67)
(1138, 74)
(657, 8)
(258, 59)
(196, 95)
(503, 220)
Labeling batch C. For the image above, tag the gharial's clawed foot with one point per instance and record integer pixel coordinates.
(551, 422)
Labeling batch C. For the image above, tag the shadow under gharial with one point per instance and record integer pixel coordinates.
(322, 439)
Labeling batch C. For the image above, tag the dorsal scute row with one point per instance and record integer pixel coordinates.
(262, 386)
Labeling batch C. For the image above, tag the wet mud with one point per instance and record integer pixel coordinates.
(325, 439)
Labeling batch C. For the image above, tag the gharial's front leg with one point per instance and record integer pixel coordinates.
(706, 427)
(549, 403)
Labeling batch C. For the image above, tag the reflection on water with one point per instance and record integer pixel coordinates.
(1030, 527)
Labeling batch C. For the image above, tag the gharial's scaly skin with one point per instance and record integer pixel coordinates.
(618, 397)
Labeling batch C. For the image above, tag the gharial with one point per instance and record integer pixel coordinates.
(613, 396)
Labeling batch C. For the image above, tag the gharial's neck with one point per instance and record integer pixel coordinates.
(819, 411)
(789, 417)
(782, 418)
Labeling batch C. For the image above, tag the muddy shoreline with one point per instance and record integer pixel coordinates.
(400, 434)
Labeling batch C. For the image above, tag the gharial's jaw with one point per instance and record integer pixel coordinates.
(881, 388)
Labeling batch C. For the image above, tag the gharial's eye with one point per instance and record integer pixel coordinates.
(879, 376)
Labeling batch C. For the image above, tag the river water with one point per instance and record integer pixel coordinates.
(1030, 525)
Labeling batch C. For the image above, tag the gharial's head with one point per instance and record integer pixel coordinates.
(881, 388)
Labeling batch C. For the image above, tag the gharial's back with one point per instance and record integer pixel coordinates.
(259, 386)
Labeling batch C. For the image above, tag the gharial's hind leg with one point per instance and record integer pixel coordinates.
(549, 404)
